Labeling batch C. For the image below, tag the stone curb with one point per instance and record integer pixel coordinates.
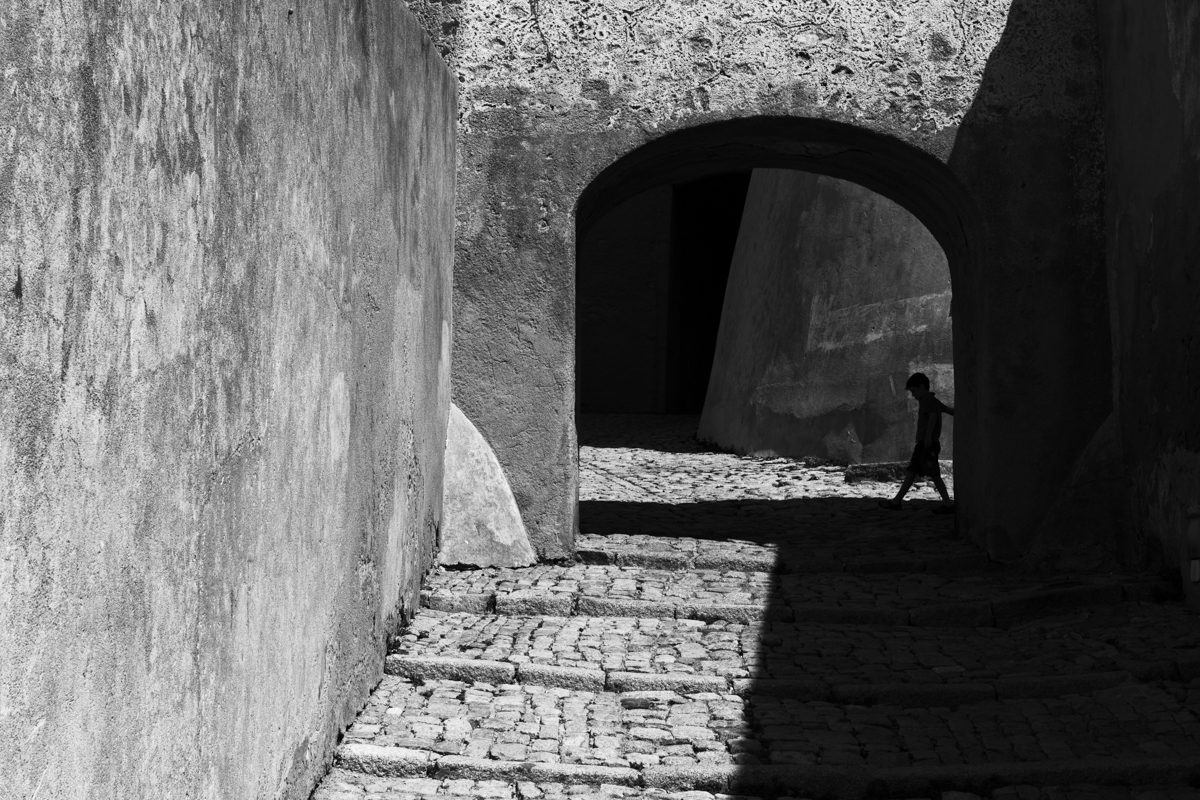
(844, 783)
(584, 773)
(797, 689)
(476, 769)
(451, 669)
(737, 562)
(370, 759)
(734, 612)
(576, 678)
(860, 782)
(1059, 685)
(1002, 612)
(824, 614)
(780, 563)
(914, 695)
(910, 695)
(532, 603)
(954, 615)
(1019, 608)
(682, 683)
(400, 762)
(589, 606)
(814, 566)
(468, 603)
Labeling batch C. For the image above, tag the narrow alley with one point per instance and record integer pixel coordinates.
(761, 628)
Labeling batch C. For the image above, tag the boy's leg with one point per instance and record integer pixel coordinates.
(940, 485)
(909, 477)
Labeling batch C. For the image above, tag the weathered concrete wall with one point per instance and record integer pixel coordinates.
(836, 295)
(983, 119)
(225, 254)
(1152, 124)
(622, 283)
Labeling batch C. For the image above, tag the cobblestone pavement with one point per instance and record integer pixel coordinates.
(758, 628)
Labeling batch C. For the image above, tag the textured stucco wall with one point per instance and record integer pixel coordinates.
(1152, 98)
(622, 283)
(994, 102)
(225, 255)
(836, 295)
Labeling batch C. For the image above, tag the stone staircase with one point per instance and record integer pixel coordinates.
(855, 654)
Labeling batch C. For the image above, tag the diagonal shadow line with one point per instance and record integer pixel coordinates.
(801, 533)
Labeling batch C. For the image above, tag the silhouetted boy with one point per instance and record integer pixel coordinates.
(925, 455)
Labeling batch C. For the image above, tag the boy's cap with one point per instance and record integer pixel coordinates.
(917, 379)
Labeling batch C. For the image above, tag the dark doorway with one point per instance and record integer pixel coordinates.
(650, 286)
(705, 219)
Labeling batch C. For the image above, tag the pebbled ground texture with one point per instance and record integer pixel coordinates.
(759, 628)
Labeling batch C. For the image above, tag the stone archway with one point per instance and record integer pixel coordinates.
(998, 156)
(633, 288)
(652, 273)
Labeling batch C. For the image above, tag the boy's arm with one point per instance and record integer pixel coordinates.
(947, 409)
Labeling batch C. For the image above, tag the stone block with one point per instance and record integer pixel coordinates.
(967, 614)
(1052, 600)
(914, 695)
(625, 607)
(738, 560)
(734, 612)
(531, 603)
(481, 524)
(383, 761)
(803, 690)
(453, 669)
(1059, 685)
(583, 774)
(576, 678)
(681, 682)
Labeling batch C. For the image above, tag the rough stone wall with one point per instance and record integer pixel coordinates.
(1152, 96)
(836, 295)
(225, 255)
(1004, 93)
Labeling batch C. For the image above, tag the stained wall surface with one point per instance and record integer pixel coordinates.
(991, 111)
(225, 255)
(836, 295)
(1152, 125)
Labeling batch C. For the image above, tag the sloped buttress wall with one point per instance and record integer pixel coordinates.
(1152, 122)
(225, 254)
(1005, 94)
(836, 295)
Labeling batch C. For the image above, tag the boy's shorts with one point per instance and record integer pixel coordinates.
(925, 460)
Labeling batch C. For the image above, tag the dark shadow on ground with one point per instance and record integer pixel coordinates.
(663, 433)
(757, 520)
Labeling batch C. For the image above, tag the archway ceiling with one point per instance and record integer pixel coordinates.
(899, 171)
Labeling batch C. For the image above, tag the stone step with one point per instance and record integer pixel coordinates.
(349, 785)
(825, 520)
(998, 600)
(860, 554)
(1142, 640)
(1093, 777)
(495, 731)
(908, 695)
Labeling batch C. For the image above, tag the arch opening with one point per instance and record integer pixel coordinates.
(905, 225)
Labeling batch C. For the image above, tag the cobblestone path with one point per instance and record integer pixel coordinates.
(760, 628)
